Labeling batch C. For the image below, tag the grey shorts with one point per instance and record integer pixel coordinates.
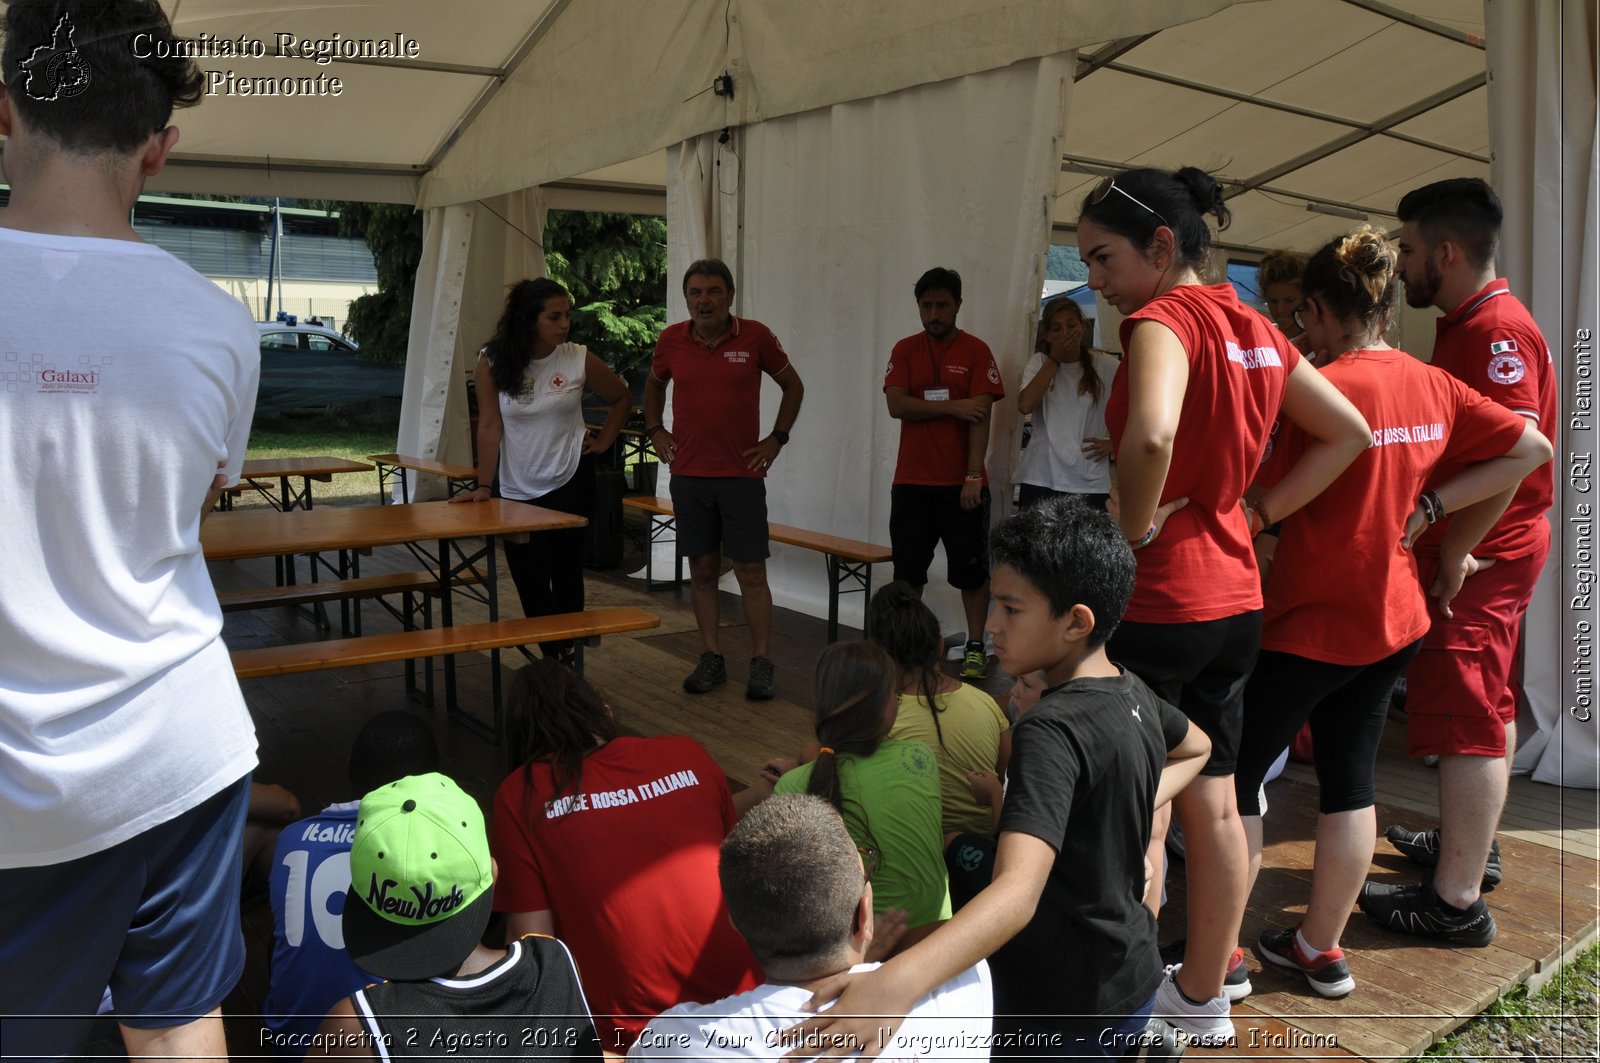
(721, 513)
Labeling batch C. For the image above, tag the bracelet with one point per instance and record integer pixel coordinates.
(1149, 537)
(974, 475)
(1432, 506)
(651, 429)
(1256, 518)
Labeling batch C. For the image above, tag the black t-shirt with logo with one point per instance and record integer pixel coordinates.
(1084, 767)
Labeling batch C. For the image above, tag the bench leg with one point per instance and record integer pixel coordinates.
(832, 563)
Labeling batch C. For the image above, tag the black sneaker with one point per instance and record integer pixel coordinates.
(1421, 847)
(708, 673)
(1327, 972)
(760, 685)
(1416, 909)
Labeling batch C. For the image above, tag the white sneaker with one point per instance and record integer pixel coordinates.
(1204, 1024)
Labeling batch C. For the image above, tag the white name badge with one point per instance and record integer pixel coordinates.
(936, 394)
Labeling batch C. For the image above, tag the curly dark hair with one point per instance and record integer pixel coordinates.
(511, 346)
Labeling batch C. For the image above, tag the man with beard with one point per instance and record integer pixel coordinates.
(1462, 705)
(939, 385)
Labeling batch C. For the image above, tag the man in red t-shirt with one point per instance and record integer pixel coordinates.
(1461, 703)
(939, 385)
(719, 458)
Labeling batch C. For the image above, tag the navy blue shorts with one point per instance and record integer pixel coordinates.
(155, 918)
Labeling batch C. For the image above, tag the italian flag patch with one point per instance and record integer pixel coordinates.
(1503, 347)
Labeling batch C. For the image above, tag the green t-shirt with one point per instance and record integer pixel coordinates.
(891, 802)
(971, 724)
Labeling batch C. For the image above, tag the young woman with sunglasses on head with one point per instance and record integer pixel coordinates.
(1279, 274)
(1064, 388)
(1191, 408)
(1345, 612)
(886, 789)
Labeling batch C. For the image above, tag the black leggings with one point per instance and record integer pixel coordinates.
(548, 567)
(1347, 705)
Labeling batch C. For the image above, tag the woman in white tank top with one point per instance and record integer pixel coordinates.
(533, 445)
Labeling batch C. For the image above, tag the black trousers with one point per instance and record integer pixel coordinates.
(548, 568)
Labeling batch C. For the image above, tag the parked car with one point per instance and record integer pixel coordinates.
(278, 337)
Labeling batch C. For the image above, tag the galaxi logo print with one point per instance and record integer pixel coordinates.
(56, 71)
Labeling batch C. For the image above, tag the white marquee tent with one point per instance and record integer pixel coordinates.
(866, 141)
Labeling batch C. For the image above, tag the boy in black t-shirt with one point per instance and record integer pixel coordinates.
(1071, 945)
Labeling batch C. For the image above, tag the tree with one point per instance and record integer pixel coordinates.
(615, 267)
(381, 322)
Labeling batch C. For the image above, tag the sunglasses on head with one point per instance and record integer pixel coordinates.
(1109, 185)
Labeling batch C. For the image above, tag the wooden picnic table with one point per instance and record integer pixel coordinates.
(392, 468)
(349, 529)
(258, 473)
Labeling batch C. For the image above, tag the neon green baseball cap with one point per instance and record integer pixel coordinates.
(421, 880)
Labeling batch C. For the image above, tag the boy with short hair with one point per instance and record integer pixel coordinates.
(421, 894)
(1072, 948)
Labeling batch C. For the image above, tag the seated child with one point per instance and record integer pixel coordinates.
(610, 842)
(1071, 946)
(421, 893)
(311, 878)
(886, 789)
(801, 895)
(961, 724)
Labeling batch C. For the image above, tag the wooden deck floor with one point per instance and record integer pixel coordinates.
(1408, 995)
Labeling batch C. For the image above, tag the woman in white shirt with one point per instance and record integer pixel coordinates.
(533, 445)
(1064, 388)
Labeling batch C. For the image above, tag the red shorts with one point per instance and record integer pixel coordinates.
(1459, 692)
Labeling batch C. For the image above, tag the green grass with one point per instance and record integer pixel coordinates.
(1558, 1022)
(282, 438)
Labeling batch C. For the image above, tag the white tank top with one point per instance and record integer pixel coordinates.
(541, 423)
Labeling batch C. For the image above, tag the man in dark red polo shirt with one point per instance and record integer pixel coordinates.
(720, 459)
(1461, 704)
(939, 385)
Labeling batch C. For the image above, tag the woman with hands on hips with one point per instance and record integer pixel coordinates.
(533, 445)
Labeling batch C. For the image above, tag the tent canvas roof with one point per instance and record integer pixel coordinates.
(1341, 102)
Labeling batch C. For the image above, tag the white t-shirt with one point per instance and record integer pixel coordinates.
(1054, 455)
(953, 1022)
(125, 378)
(542, 430)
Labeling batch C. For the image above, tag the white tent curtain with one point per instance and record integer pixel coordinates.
(470, 253)
(1542, 122)
(843, 208)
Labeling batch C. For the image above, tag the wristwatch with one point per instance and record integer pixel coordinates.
(781, 436)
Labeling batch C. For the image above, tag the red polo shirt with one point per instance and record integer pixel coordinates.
(935, 451)
(1492, 344)
(1342, 588)
(716, 405)
(1202, 566)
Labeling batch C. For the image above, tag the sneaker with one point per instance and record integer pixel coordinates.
(759, 687)
(708, 673)
(1235, 984)
(1416, 909)
(1327, 972)
(1205, 1024)
(1421, 847)
(975, 665)
(1159, 1040)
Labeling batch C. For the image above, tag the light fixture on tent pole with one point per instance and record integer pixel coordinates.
(1336, 211)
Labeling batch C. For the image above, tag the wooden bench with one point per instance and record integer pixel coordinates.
(346, 590)
(299, 657)
(392, 467)
(846, 559)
